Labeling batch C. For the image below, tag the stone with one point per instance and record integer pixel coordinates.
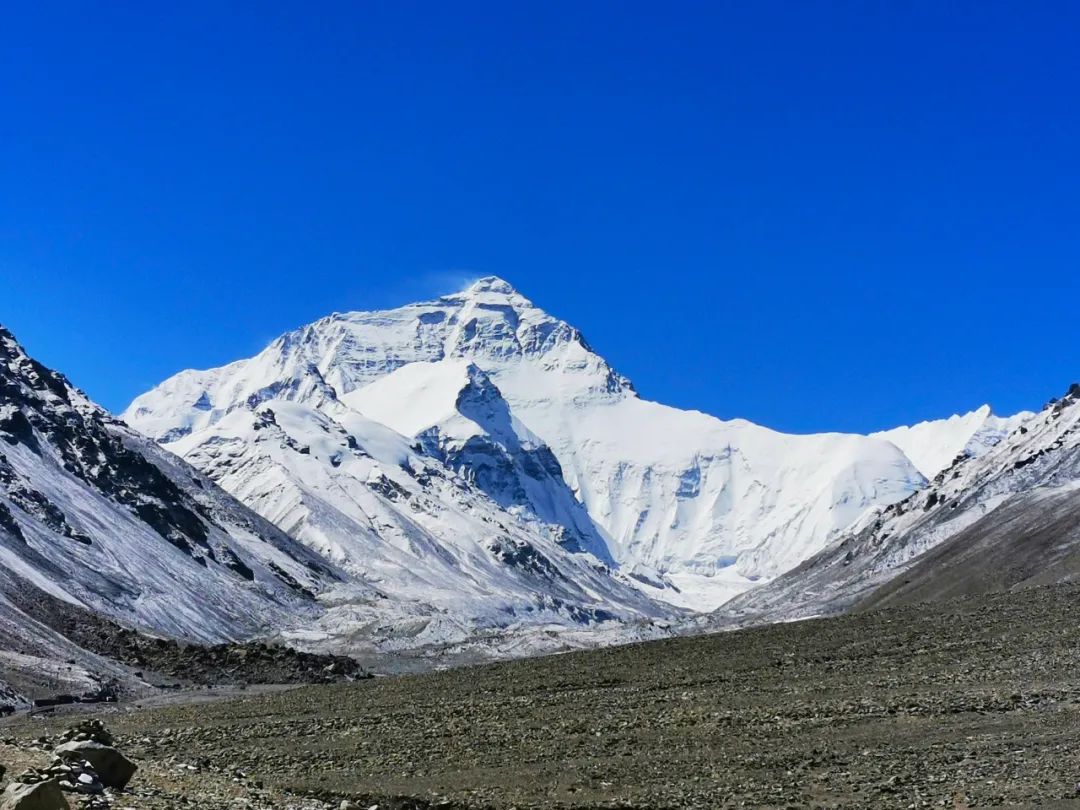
(89, 730)
(112, 768)
(40, 796)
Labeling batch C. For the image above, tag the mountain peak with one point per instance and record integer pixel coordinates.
(491, 284)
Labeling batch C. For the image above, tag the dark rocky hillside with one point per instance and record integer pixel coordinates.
(1032, 540)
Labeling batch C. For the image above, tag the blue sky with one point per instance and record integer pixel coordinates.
(819, 216)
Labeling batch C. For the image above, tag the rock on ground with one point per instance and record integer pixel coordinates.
(42, 796)
(113, 768)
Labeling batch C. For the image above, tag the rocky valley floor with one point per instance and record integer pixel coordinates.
(971, 703)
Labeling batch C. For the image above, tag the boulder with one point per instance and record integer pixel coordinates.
(42, 796)
(113, 768)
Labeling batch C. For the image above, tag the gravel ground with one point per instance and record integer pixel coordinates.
(971, 703)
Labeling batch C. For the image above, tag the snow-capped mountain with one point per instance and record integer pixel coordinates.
(513, 404)
(466, 476)
(992, 503)
(94, 514)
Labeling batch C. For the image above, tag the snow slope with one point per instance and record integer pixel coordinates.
(415, 532)
(456, 415)
(933, 446)
(694, 509)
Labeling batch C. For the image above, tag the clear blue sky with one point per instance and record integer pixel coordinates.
(834, 215)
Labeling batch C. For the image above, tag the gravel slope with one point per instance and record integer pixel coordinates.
(970, 703)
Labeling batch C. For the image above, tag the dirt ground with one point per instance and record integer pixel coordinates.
(974, 703)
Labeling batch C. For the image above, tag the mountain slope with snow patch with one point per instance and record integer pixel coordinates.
(1024, 476)
(96, 515)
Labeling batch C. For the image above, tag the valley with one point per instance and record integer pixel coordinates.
(464, 480)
